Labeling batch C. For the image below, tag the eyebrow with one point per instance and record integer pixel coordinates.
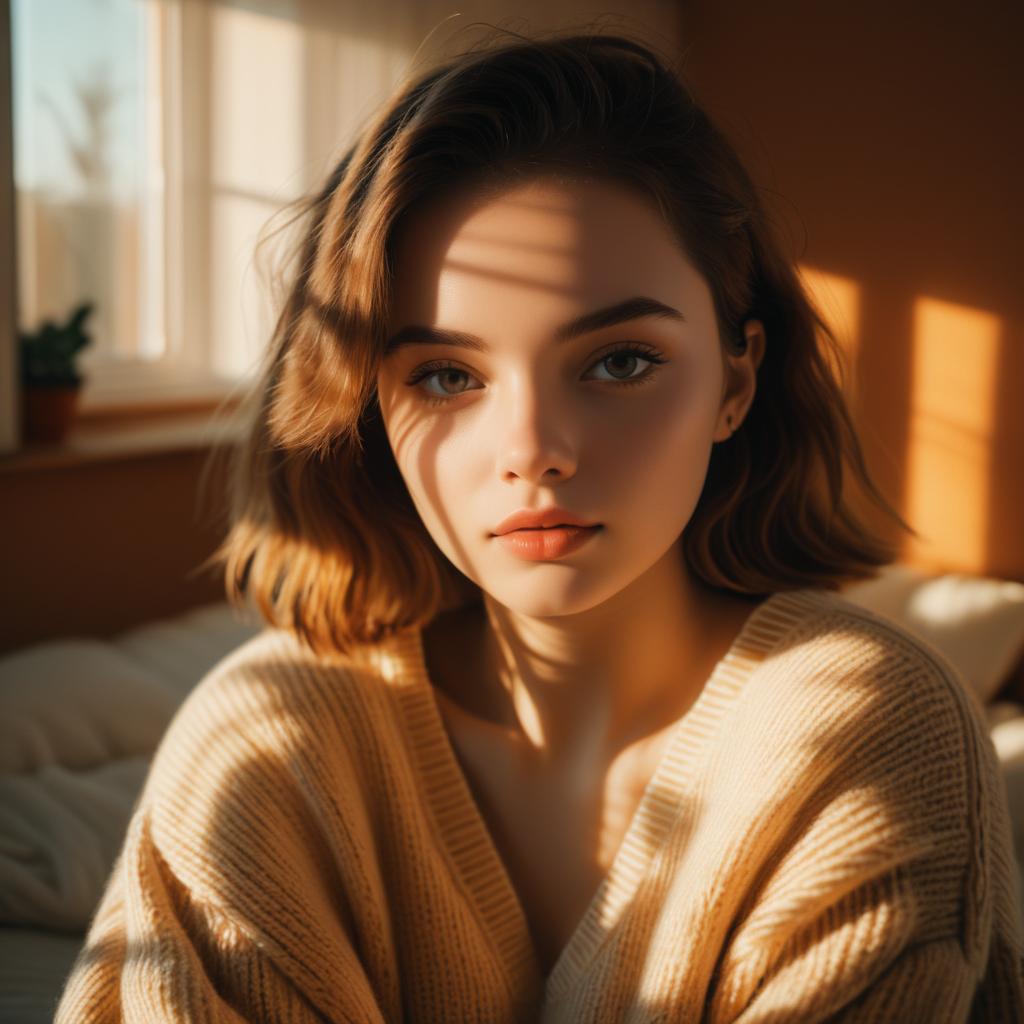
(630, 309)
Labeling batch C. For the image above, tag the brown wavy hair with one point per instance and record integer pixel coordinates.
(324, 537)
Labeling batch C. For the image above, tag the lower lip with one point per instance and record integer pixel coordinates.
(541, 545)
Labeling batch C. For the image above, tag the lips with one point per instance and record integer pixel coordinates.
(540, 519)
(545, 544)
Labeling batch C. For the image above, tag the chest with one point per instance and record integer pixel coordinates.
(557, 837)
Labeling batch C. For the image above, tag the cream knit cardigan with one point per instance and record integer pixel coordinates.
(826, 837)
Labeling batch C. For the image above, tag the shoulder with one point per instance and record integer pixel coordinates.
(272, 721)
(869, 707)
(839, 649)
(889, 699)
(866, 711)
(877, 742)
(263, 688)
(266, 789)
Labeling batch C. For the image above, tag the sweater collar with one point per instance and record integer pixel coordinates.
(464, 833)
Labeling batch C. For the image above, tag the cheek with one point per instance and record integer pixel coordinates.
(442, 473)
(663, 443)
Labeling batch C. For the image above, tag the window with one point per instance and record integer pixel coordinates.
(117, 201)
(155, 143)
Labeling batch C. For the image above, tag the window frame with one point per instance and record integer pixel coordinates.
(176, 235)
(184, 373)
(10, 410)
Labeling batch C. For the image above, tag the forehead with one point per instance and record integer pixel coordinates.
(546, 244)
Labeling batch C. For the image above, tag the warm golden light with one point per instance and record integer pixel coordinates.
(838, 300)
(257, 139)
(955, 361)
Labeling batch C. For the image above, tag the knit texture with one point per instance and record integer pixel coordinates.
(826, 837)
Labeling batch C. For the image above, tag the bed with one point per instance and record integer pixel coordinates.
(80, 718)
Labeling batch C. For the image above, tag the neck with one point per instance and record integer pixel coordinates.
(583, 686)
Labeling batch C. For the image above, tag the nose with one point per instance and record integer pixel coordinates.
(534, 439)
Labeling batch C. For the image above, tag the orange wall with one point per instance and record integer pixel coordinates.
(888, 136)
(96, 548)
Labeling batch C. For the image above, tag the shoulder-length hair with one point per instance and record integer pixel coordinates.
(324, 537)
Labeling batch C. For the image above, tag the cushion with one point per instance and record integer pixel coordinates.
(976, 622)
(60, 832)
(181, 650)
(80, 719)
(78, 703)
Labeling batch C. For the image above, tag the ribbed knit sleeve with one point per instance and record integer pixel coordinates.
(930, 982)
(877, 906)
(225, 904)
(856, 961)
(154, 954)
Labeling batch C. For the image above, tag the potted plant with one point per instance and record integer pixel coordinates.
(50, 379)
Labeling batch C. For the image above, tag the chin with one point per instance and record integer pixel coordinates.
(557, 600)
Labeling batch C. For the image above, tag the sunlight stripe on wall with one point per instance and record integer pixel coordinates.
(838, 299)
(952, 409)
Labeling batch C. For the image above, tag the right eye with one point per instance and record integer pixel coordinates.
(441, 370)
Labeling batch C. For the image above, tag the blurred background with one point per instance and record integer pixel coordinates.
(147, 146)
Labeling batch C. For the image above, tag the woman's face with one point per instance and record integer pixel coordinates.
(614, 424)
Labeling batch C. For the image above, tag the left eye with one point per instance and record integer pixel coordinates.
(630, 357)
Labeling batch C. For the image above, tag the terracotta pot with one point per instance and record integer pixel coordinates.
(48, 412)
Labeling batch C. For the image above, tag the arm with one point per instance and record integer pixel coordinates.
(891, 893)
(851, 938)
(930, 982)
(153, 953)
(854, 965)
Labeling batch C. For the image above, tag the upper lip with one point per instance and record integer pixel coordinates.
(528, 517)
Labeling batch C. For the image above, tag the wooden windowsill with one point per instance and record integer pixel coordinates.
(124, 433)
(138, 412)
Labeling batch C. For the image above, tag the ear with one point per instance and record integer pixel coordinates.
(740, 383)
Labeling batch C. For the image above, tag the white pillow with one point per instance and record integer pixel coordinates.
(78, 703)
(975, 621)
(181, 650)
(79, 721)
(60, 832)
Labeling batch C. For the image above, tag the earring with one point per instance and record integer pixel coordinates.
(728, 423)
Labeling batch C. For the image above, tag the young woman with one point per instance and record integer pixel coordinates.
(557, 715)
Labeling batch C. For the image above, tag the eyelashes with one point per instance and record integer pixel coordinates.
(634, 350)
